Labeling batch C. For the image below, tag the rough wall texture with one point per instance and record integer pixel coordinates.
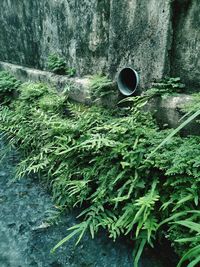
(185, 60)
(140, 36)
(156, 38)
(78, 30)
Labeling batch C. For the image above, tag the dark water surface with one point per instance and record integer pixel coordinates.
(26, 240)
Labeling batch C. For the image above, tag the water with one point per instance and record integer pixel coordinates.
(26, 239)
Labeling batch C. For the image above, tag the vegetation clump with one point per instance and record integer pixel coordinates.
(102, 160)
(58, 65)
(8, 86)
(101, 86)
(167, 86)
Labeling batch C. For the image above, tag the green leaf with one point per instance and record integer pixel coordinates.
(139, 252)
(190, 253)
(194, 262)
(167, 139)
(64, 240)
(189, 224)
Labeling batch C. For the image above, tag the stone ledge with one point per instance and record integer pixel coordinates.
(79, 86)
(166, 110)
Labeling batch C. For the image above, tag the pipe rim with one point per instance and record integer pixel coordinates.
(123, 88)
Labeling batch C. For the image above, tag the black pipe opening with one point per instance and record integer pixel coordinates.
(127, 81)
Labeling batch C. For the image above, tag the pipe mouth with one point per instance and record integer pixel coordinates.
(127, 81)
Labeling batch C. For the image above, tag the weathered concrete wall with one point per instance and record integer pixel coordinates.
(185, 58)
(157, 38)
(78, 30)
(140, 37)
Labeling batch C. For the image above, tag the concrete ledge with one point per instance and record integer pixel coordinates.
(79, 87)
(167, 111)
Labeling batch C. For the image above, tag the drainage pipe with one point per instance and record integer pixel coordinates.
(127, 81)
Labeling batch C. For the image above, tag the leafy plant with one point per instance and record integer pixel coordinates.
(71, 72)
(102, 160)
(166, 86)
(192, 106)
(189, 192)
(191, 255)
(101, 86)
(175, 131)
(194, 253)
(8, 86)
(58, 65)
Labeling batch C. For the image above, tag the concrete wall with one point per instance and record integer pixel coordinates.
(78, 30)
(156, 37)
(185, 57)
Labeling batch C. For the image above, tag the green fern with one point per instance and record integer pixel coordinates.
(56, 64)
(8, 86)
(101, 86)
(112, 164)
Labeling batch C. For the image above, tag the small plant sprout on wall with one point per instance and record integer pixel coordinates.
(58, 65)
